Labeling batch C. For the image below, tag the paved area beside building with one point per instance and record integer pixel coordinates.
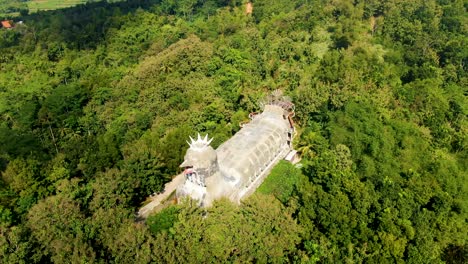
(156, 200)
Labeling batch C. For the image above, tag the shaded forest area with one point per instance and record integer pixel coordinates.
(96, 103)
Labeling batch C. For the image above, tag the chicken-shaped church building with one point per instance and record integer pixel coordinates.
(239, 165)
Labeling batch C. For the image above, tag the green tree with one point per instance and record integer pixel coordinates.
(60, 228)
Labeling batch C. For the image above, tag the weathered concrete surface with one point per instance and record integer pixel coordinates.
(239, 165)
(259, 180)
(169, 188)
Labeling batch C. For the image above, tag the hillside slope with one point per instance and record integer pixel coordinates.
(97, 102)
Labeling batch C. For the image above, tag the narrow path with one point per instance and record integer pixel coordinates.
(169, 188)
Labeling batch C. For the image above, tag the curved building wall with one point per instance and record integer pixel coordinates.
(249, 151)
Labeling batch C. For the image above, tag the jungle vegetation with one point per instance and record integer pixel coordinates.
(97, 101)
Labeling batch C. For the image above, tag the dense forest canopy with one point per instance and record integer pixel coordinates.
(97, 101)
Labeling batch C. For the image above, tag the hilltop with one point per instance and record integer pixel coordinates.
(97, 102)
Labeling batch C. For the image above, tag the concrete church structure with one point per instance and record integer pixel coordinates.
(239, 165)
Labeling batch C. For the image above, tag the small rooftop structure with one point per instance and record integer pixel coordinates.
(239, 165)
(6, 24)
(291, 156)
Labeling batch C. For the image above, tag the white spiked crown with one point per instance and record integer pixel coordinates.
(200, 143)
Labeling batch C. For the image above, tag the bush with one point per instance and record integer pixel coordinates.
(281, 182)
